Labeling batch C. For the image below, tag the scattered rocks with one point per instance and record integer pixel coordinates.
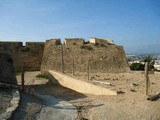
(97, 75)
(114, 79)
(132, 90)
(120, 92)
(154, 97)
(134, 84)
(92, 78)
(106, 79)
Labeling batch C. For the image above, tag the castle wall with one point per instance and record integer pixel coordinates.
(27, 57)
(102, 57)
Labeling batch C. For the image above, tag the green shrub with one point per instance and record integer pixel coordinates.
(18, 72)
(86, 47)
(74, 43)
(137, 66)
(148, 58)
(25, 49)
(42, 76)
(100, 45)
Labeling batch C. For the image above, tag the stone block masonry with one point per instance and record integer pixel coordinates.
(102, 56)
(27, 57)
(74, 41)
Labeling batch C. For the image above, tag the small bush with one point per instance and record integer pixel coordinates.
(74, 43)
(100, 45)
(26, 70)
(32, 69)
(25, 49)
(137, 66)
(86, 47)
(42, 76)
(18, 72)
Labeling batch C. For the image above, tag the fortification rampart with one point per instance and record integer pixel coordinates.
(27, 57)
(101, 55)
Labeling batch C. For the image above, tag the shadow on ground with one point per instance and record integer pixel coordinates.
(31, 105)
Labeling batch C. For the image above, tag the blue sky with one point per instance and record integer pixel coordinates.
(132, 23)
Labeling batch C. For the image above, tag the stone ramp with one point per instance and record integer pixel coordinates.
(79, 85)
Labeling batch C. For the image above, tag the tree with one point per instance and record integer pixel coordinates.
(148, 59)
(137, 66)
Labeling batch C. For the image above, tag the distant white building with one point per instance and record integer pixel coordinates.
(157, 64)
(157, 67)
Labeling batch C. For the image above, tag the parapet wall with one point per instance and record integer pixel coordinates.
(73, 41)
(101, 41)
(101, 55)
(27, 57)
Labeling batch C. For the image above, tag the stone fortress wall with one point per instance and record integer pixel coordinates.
(101, 55)
(27, 57)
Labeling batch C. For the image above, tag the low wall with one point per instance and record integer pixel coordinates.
(79, 85)
(27, 57)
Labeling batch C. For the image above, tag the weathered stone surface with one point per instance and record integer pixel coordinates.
(55, 41)
(7, 72)
(102, 57)
(74, 41)
(98, 41)
(28, 56)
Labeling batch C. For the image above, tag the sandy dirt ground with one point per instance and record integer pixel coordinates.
(130, 104)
